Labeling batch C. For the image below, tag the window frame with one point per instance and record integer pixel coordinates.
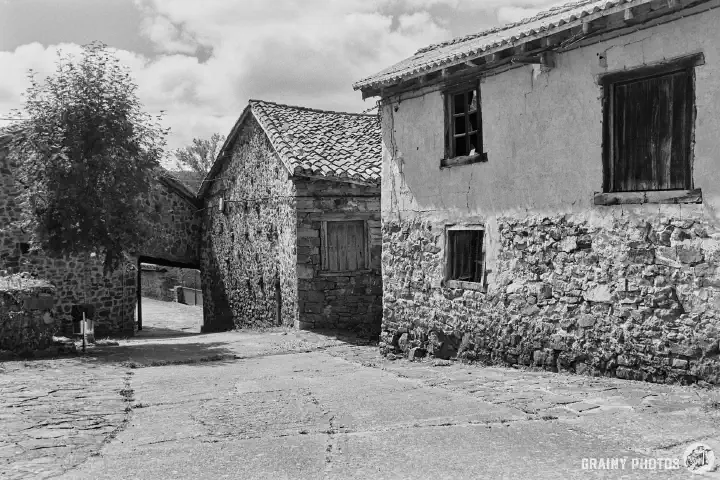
(451, 159)
(463, 284)
(611, 194)
(324, 267)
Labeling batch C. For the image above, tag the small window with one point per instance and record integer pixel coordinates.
(648, 129)
(344, 246)
(465, 256)
(463, 125)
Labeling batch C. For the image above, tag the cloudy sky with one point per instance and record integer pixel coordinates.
(201, 60)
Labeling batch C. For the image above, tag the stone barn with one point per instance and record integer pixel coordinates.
(174, 214)
(551, 191)
(291, 221)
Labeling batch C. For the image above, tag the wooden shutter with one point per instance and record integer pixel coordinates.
(346, 245)
(652, 122)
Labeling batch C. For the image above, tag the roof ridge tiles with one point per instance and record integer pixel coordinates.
(253, 101)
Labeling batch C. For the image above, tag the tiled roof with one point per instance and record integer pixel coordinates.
(468, 47)
(317, 142)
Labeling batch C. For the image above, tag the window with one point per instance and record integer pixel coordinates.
(649, 116)
(344, 246)
(465, 257)
(463, 126)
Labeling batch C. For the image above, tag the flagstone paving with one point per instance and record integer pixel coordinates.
(55, 413)
(58, 415)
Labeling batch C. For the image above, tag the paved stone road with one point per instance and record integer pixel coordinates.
(56, 413)
(303, 405)
(341, 411)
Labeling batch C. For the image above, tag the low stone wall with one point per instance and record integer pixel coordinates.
(637, 298)
(27, 317)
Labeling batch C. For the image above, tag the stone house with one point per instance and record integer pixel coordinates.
(291, 221)
(550, 192)
(76, 280)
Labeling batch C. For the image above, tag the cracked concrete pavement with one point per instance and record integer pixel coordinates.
(287, 404)
(304, 405)
(55, 413)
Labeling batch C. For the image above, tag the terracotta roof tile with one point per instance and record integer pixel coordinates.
(324, 143)
(471, 46)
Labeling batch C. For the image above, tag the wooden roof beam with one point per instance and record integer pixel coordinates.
(496, 56)
(547, 59)
(476, 62)
(628, 15)
(456, 68)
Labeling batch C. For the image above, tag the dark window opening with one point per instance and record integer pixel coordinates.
(465, 255)
(463, 129)
(648, 131)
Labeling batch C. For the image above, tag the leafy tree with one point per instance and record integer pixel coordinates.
(86, 157)
(200, 156)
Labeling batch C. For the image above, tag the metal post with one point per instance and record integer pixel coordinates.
(83, 328)
(139, 296)
(278, 302)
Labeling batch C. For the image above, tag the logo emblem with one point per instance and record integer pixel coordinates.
(699, 458)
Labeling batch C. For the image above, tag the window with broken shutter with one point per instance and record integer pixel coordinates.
(345, 246)
(648, 130)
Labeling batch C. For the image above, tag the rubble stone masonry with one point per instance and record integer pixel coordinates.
(28, 320)
(346, 300)
(632, 296)
(80, 280)
(250, 244)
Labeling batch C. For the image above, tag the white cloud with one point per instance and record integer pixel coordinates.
(305, 53)
(479, 5)
(510, 14)
(168, 37)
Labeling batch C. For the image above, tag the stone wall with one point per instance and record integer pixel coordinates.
(331, 300)
(632, 296)
(78, 279)
(27, 317)
(173, 212)
(250, 245)
(158, 285)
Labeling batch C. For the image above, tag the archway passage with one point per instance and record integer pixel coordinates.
(169, 297)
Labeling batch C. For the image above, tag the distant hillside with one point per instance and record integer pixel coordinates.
(191, 179)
